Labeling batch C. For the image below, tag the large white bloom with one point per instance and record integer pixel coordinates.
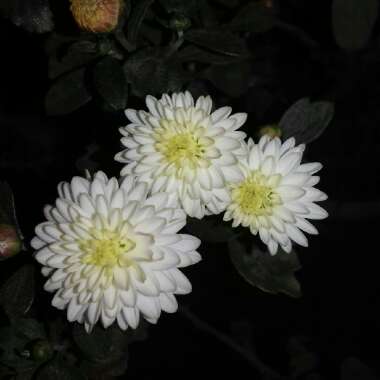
(181, 147)
(275, 194)
(112, 253)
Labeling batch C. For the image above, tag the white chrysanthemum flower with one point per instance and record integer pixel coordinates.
(181, 147)
(112, 253)
(275, 194)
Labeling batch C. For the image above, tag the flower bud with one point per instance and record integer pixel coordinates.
(98, 16)
(10, 243)
(270, 130)
(41, 350)
(179, 22)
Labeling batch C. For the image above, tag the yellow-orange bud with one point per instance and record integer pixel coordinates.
(98, 16)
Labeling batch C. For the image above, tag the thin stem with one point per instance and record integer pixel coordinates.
(250, 356)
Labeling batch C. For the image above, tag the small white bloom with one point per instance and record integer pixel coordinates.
(181, 147)
(275, 194)
(112, 254)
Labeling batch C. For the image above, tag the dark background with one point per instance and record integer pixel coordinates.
(338, 314)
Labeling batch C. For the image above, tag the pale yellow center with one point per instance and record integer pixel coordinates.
(105, 251)
(182, 144)
(255, 196)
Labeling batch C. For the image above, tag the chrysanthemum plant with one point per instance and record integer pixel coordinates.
(192, 174)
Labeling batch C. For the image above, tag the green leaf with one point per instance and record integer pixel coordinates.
(110, 83)
(17, 293)
(33, 15)
(353, 22)
(272, 274)
(353, 369)
(253, 17)
(306, 121)
(15, 342)
(102, 345)
(139, 12)
(58, 369)
(210, 230)
(233, 80)
(67, 94)
(302, 359)
(77, 55)
(187, 7)
(28, 329)
(224, 42)
(152, 71)
(193, 53)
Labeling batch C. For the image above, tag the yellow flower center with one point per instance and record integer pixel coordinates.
(105, 251)
(182, 144)
(255, 196)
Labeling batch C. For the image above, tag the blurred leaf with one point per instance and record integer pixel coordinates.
(68, 93)
(253, 17)
(58, 369)
(77, 55)
(272, 274)
(353, 22)
(8, 209)
(187, 7)
(218, 40)
(110, 83)
(28, 329)
(102, 345)
(210, 230)
(194, 53)
(306, 121)
(302, 359)
(353, 369)
(152, 71)
(33, 15)
(137, 17)
(17, 293)
(15, 341)
(233, 80)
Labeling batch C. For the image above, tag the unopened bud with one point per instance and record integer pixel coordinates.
(98, 16)
(270, 130)
(41, 350)
(10, 243)
(179, 22)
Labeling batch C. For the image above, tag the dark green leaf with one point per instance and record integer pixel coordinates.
(233, 80)
(353, 22)
(193, 53)
(77, 55)
(306, 121)
(110, 83)
(254, 17)
(67, 94)
(187, 7)
(102, 345)
(272, 274)
(218, 40)
(17, 294)
(354, 369)
(302, 359)
(28, 329)
(151, 71)
(32, 15)
(210, 230)
(14, 347)
(58, 369)
(137, 17)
